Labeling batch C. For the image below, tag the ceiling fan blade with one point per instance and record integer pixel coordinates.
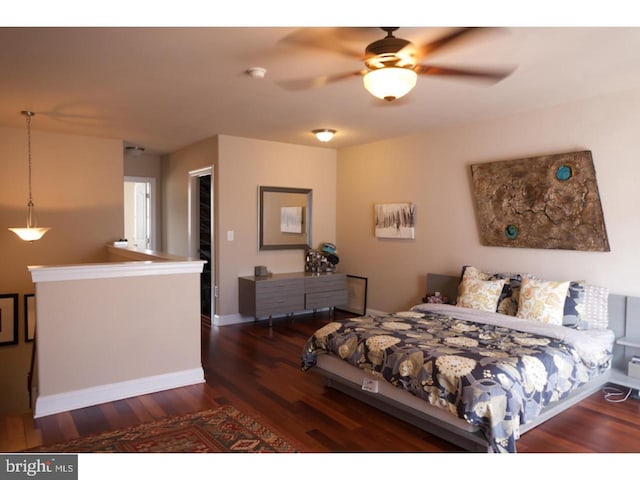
(487, 75)
(455, 36)
(333, 39)
(315, 82)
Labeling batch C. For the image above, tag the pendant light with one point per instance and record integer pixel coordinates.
(31, 232)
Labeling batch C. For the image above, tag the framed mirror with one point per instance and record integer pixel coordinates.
(285, 218)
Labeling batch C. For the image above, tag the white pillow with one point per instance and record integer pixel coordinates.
(596, 314)
(479, 294)
(542, 301)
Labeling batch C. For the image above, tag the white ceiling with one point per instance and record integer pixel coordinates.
(165, 88)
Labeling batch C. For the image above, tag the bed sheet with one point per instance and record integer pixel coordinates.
(492, 370)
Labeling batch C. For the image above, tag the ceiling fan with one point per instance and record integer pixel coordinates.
(392, 64)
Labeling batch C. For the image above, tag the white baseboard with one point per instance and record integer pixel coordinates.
(62, 402)
(222, 320)
(234, 318)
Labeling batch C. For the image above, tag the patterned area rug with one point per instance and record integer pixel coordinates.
(224, 429)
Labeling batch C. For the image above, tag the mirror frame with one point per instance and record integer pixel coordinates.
(306, 219)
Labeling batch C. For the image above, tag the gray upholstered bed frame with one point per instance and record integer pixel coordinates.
(405, 406)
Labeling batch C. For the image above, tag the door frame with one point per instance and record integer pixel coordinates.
(153, 198)
(193, 228)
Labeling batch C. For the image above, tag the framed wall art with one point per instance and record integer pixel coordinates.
(8, 319)
(284, 216)
(29, 317)
(357, 295)
(550, 201)
(291, 219)
(395, 220)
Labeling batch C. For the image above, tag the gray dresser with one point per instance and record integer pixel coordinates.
(288, 293)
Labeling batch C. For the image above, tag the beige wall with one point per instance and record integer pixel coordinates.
(122, 328)
(241, 165)
(175, 202)
(246, 164)
(143, 165)
(432, 170)
(78, 191)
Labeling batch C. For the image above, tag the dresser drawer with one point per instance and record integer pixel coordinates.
(266, 290)
(279, 306)
(325, 299)
(325, 283)
(288, 293)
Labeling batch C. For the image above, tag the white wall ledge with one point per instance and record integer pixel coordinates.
(133, 253)
(90, 271)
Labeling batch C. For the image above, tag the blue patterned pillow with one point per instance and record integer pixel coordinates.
(574, 306)
(508, 303)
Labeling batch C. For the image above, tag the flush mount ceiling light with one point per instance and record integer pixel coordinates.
(324, 134)
(256, 72)
(31, 232)
(134, 150)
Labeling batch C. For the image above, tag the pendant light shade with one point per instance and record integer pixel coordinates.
(389, 83)
(31, 232)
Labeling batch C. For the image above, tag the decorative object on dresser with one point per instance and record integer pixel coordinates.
(550, 201)
(261, 271)
(323, 260)
(288, 293)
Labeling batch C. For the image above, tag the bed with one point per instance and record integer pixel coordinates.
(478, 375)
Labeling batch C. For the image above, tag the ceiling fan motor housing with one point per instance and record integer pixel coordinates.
(385, 53)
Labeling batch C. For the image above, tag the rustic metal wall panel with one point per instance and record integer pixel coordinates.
(549, 202)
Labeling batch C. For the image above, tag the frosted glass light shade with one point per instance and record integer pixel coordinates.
(30, 234)
(389, 83)
(324, 134)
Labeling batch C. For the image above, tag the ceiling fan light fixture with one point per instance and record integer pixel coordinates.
(389, 83)
(324, 134)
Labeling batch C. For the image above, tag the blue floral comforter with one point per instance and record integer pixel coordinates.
(495, 371)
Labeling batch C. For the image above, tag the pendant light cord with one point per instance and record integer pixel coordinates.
(29, 114)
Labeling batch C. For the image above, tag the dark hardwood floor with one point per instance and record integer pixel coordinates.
(257, 369)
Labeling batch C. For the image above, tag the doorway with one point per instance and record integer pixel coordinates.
(139, 212)
(201, 231)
